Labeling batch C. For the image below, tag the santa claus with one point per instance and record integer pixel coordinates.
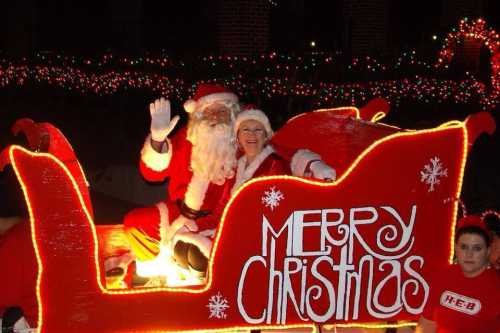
(198, 159)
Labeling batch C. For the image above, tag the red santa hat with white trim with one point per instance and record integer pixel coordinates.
(251, 112)
(206, 94)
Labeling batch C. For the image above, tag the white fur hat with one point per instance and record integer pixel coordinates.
(250, 112)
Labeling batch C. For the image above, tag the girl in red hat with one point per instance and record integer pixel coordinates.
(465, 296)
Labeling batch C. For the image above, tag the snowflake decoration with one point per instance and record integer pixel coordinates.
(431, 173)
(217, 306)
(272, 198)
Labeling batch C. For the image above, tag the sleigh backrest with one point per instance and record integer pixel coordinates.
(338, 136)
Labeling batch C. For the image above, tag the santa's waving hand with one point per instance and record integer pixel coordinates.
(161, 125)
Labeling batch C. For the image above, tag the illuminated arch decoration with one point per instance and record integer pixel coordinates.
(475, 29)
(71, 295)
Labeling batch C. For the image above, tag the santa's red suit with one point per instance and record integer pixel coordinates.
(192, 195)
(198, 198)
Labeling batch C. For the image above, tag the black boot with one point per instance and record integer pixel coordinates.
(196, 259)
(9, 318)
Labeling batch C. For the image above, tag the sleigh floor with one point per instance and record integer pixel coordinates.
(112, 240)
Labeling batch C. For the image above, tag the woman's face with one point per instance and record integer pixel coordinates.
(472, 254)
(252, 137)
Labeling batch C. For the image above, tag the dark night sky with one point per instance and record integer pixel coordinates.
(184, 27)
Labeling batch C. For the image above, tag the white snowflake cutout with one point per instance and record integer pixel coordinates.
(217, 305)
(272, 198)
(431, 173)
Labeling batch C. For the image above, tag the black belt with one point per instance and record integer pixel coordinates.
(190, 213)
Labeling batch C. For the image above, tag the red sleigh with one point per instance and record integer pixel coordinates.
(289, 252)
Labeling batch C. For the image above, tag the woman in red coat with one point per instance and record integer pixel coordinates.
(464, 297)
(253, 132)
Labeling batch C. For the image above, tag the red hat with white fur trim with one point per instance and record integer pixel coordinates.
(206, 94)
(250, 112)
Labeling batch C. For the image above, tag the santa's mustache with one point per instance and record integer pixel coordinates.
(205, 130)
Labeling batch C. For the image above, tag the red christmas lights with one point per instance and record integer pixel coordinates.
(475, 30)
(272, 75)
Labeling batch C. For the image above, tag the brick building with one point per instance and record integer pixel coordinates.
(366, 26)
(243, 26)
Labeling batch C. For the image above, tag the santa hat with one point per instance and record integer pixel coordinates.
(206, 94)
(472, 221)
(250, 112)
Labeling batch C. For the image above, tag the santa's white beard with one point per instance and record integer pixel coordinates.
(214, 151)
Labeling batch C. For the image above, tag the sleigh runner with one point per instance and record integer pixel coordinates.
(288, 252)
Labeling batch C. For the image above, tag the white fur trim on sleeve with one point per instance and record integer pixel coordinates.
(153, 159)
(195, 193)
(300, 160)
